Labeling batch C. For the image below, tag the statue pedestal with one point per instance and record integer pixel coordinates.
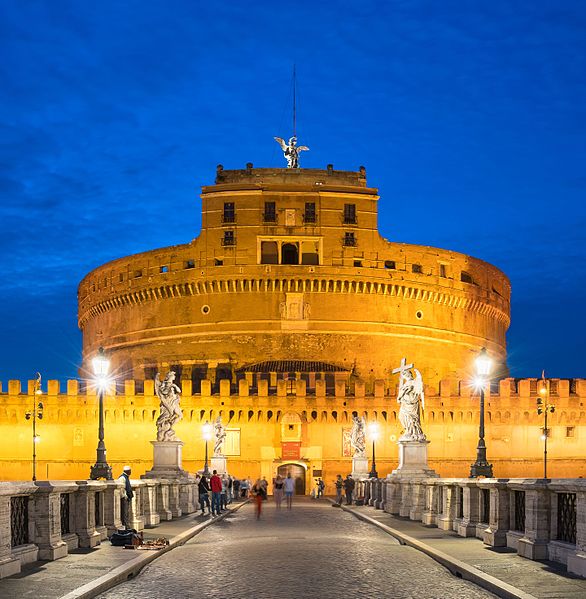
(359, 468)
(167, 460)
(413, 461)
(218, 463)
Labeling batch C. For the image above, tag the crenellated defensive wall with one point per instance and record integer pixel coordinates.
(260, 418)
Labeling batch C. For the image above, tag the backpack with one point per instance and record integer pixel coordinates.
(122, 538)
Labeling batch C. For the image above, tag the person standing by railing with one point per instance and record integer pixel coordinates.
(126, 496)
(216, 486)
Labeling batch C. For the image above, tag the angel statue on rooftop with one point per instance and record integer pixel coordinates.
(358, 437)
(168, 393)
(291, 151)
(409, 397)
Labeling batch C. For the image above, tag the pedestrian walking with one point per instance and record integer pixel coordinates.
(349, 484)
(216, 486)
(203, 488)
(278, 491)
(339, 486)
(265, 486)
(289, 486)
(258, 493)
(126, 496)
(244, 487)
(230, 488)
(236, 488)
(320, 488)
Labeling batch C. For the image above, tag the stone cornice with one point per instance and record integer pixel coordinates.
(408, 291)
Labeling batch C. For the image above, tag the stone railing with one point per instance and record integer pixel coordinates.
(45, 520)
(540, 519)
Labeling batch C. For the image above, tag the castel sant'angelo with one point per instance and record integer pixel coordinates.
(286, 317)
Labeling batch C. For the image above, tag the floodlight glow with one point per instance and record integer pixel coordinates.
(483, 363)
(373, 430)
(479, 382)
(207, 431)
(37, 439)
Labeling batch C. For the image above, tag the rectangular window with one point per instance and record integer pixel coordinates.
(570, 431)
(466, 278)
(270, 213)
(349, 239)
(442, 271)
(309, 216)
(137, 274)
(229, 215)
(189, 264)
(121, 277)
(349, 214)
(416, 268)
(228, 238)
(232, 442)
(390, 264)
(310, 252)
(218, 262)
(269, 252)
(357, 263)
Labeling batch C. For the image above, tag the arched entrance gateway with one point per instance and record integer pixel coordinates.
(297, 472)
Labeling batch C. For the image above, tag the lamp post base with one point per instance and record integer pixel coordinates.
(101, 470)
(481, 469)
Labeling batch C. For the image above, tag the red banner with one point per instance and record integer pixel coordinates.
(291, 450)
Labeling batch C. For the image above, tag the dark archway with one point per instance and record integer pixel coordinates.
(289, 253)
(297, 472)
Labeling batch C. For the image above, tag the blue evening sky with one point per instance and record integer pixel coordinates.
(470, 118)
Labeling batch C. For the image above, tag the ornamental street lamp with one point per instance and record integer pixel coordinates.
(373, 430)
(207, 435)
(481, 467)
(545, 408)
(101, 365)
(36, 412)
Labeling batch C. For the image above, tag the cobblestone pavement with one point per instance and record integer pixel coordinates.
(313, 550)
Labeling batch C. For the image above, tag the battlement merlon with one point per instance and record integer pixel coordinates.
(290, 176)
(505, 390)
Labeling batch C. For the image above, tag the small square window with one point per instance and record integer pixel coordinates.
(164, 269)
(228, 238)
(349, 239)
(218, 262)
(417, 268)
(358, 263)
(190, 264)
(390, 265)
(137, 274)
(466, 278)
(570, 431)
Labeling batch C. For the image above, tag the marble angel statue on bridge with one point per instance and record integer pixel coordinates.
(168, 393)
(358, 437)
(409, 397)
(219, 437)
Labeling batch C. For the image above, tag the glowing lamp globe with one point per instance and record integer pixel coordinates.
(483, 363)
(101, 364)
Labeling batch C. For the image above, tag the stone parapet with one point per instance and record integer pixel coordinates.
(53, 517)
